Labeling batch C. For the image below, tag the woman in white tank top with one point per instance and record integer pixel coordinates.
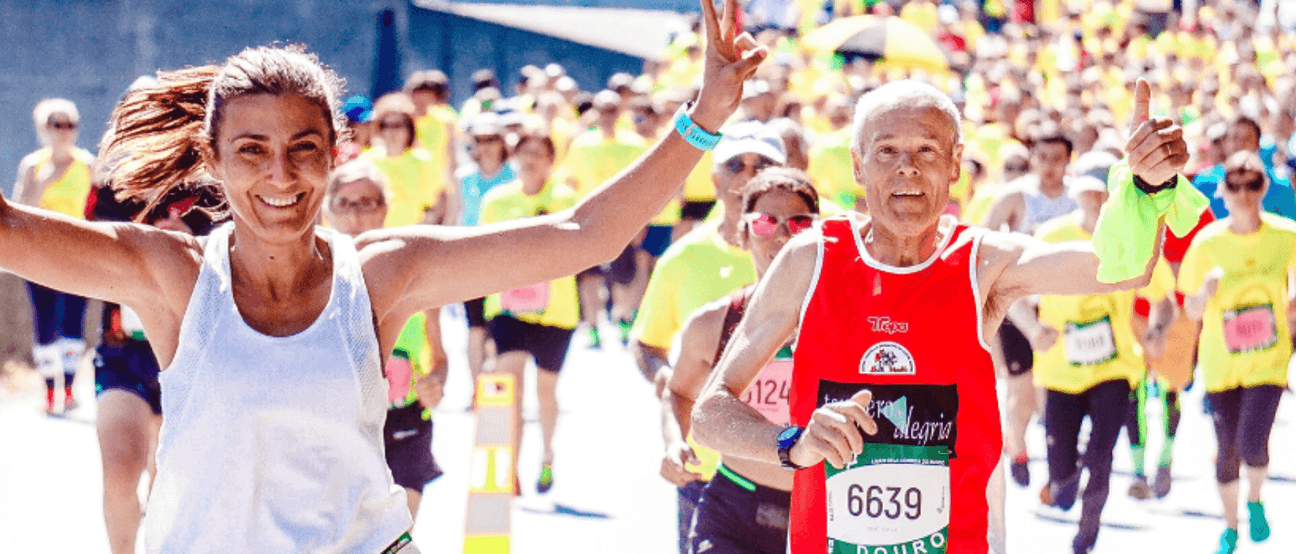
(273, 331)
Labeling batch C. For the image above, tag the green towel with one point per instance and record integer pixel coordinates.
(1125, 234)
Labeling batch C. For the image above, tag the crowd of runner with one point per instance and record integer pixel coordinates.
(1036, 100)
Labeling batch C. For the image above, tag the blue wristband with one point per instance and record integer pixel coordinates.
(695, 135)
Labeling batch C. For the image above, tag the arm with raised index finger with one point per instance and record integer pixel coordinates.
(417, 267)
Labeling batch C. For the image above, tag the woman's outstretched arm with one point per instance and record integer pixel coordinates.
(414, 268)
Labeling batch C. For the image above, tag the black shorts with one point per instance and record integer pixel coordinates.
(622, 271)
(731, 519)
(475, 311)
(548, 345)
(131, 367)
(657, 240)
(1017, 353)
(408, 440)
(1243, 419)
(696, 209)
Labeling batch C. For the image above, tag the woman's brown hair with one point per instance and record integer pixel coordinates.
(157, 133)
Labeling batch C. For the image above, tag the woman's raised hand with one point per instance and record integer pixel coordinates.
(730, 59)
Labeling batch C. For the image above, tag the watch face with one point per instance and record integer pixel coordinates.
(789, 434)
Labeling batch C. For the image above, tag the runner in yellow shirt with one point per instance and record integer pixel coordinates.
(1087, 358)
(1235, 281)
(417, 183)
(56, 177)
(705, 265)
(535, 321)
(434, 118)
(593, 158)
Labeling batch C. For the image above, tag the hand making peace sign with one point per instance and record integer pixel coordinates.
(730, 59)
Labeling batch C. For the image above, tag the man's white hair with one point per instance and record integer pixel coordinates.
(905, 93)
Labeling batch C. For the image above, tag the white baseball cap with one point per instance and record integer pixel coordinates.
(749, 137)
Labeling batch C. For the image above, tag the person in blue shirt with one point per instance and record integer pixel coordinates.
(1244, 134)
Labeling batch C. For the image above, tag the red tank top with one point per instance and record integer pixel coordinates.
(911, 336)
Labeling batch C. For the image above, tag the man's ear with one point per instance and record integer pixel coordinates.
(856, 165)
(958, 163)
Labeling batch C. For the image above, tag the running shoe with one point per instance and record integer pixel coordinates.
(1257, 522)
(1020, 471)
(1140, 489)
(595, 343)
(1161, 486)
(1228, 542)
(546, 479)
(1059, 496)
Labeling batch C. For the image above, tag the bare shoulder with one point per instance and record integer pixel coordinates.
(705, 324)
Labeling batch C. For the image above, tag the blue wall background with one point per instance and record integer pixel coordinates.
(89, 51)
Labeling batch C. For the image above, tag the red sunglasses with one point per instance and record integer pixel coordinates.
(764, 225)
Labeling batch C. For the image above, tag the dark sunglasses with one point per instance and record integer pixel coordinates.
(395, 125)
(764, 225)
(62, 126)
(1016, 168)
(1253, 184)
(736, 164)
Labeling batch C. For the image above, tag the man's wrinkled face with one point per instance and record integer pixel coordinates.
(908, 157)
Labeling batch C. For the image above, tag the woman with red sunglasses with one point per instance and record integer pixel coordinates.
(1235, 281)
(778, 203)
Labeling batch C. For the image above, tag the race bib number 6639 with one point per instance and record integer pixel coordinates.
(891, 498)
(895, 496)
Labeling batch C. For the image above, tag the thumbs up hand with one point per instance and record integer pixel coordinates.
(1156, 148)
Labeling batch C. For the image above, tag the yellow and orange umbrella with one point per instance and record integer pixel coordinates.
(888, 37)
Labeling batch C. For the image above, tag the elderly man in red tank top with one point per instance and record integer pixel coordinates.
(895, 424)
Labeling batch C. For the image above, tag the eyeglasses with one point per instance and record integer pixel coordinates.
(387, 125)
(1016, 168)
(764, 225)
(736, 164)
(62, 126)
(1253, 184)
(365, 205)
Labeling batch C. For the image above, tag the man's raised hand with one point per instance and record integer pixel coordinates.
(731, 58)
(1156, 148)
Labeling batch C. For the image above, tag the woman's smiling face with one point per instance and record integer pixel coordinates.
(273, 155)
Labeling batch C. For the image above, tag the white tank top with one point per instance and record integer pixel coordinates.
(274, 444)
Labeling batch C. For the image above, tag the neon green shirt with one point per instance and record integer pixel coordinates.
(697, 269)
(411, 348)
(415, 181)
(1244, 336)
(553, 303)
(1097, 342)
(593, 159)
(431, 130)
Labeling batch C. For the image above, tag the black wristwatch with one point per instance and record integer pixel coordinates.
(786, 440)
(1149, 188)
